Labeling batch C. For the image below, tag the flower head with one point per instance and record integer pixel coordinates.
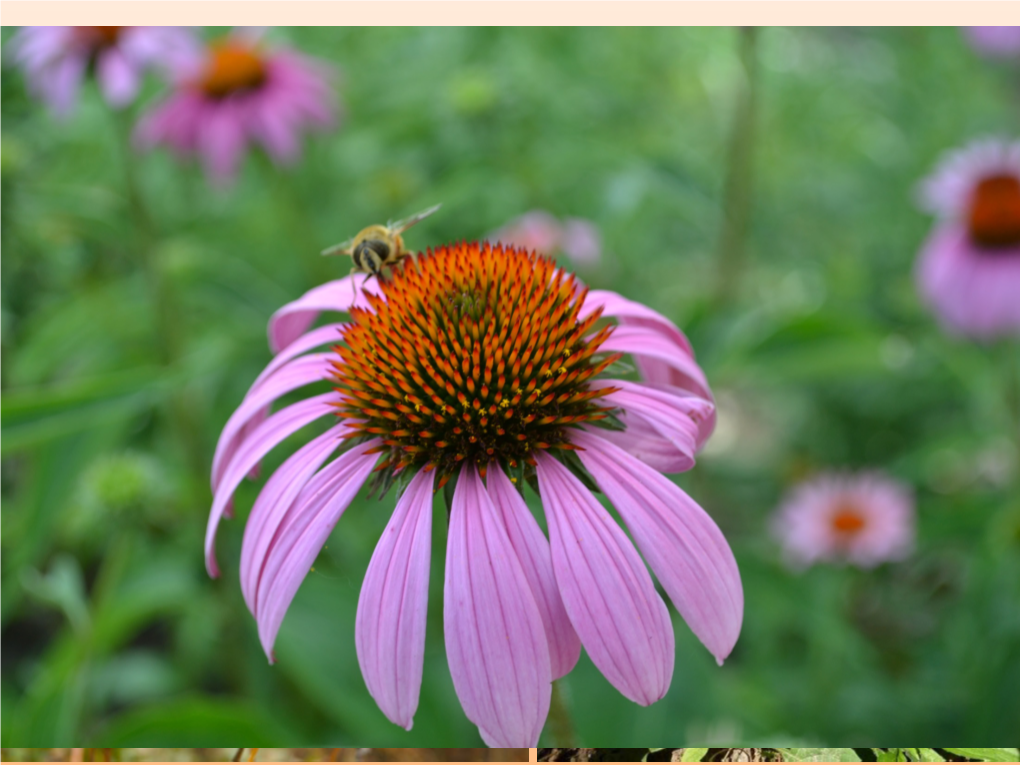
(862, 519)
(539, 230)
(237, 91)
(487, 366)
(997, 42)
(969, 269)
(57, 59)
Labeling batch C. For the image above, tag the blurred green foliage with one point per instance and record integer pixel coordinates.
(123, 359)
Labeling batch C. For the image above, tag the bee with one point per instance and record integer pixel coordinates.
(378, 246)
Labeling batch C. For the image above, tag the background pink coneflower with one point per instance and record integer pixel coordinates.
(863, 519)
(539, 230)
(998, 42)
(56, 60)
(969, 269)
(237, 91)
(484, 367)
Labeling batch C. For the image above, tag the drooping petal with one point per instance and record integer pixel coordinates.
(288, 323)
(663, 363)
(495, 641)
(390, 628)
(675, 418)
(328, 333)
(606, 589)
(628, 312)
(303, 532)
(642, 341)
(644, 442)
(304, 371)
(250, 453)
(118, 77)
(275, 500)
(222, 140)
(679, 540)
(532, 549)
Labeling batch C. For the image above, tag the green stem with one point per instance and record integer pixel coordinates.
(294, 211)
(560, 723)
(169, 341)
(737, 188)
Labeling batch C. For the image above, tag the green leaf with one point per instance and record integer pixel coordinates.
(925, 755)
(986, 755)
(35, 415)
(193, 722)
(820, 755)
(693, 754)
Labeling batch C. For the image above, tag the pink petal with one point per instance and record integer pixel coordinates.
(644, 442)
(304, 371)
(634, 314)
(674, 418)
(328, 333)
(663, 363)
(607, 591)
(302, 533)
(532, 550)
(495, 642)
(118, 77)
(59, 84)
(221, 141)
(250, 453)
(679, 540)
(293, 319)
(390, 628)
(275, 500)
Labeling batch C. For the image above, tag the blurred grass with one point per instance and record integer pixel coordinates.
(819, 351)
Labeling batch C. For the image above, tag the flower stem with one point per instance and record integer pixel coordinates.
(560, 723)
(737, 188)
(169, 342)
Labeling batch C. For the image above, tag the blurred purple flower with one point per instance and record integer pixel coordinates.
(969, 268)
(237, 91)
(57, 59)
(517, 605)
(862, 519)
(998, 42)
(540, 231)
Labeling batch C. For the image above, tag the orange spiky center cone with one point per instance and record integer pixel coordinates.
(848, 521)
(232, 67)
(96, 39)
(473, 353)
(994, 220)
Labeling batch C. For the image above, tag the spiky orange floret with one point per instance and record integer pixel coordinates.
(472, 353)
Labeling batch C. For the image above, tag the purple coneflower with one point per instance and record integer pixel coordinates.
(57, 59)
(969, 269)
(539, 230)
(487, 366)
(998, 42)
(235, 91)
(863, 519)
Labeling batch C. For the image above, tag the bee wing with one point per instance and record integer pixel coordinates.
(344, 248)
(402, 225)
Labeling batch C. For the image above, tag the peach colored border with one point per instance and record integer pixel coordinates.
(521, 12)
(533, 758)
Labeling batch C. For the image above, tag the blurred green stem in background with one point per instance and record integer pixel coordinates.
(167, 317)
(739, 176)
(294, 210)
(560, 724)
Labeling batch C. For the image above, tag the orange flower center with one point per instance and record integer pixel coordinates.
(847, 520)
(475, 353)
(97, 38)
(995, 212)
(232, 68)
